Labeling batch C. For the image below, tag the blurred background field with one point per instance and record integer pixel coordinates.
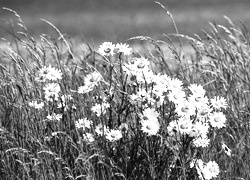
(118, 20)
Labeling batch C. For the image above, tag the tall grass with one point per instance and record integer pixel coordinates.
(33, 146)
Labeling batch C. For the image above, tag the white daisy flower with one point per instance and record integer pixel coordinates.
(106, 49)
(197, 90)
(51, 91)
(217, 119)
(89, 137)
(49, 73)
(151, 127)
(36, 105)
(83, 123)
(100, 108)
(54, 117)
(201, 142)
(185, 108)
(177, 96)
(184, 125)
(124, 48)
(211, 170)
(219, 102)
(101, 129)
(114, 135)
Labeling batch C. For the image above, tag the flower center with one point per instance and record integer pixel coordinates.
(107, 50)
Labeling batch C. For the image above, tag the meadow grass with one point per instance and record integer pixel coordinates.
(55, 141)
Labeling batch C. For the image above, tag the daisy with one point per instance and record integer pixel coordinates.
(185, 109)
(93, 79)
(150, 114)
(184, 125)
(83, 123)
(140, 63)
(114, 135)
(36, 105)
(85, 89)
(175, 84)
(203, 112)
(177, 96)
(89, 137)
(54, 117)
(219, 102)
(217, 119)
(201, 142)
(199, 129)
(172, 128)
(197, 90)
(101, 129)
(211, 170)
(123, 48)
(198, 100)
(151, 127)
(51, 91)
(100, 108)
(49, 73)
(106, 49)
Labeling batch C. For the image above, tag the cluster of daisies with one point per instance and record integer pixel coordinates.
(195, 114)
(50, 78)
(109, 49)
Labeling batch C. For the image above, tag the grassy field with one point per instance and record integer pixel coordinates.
(110, 112)
(119, 20)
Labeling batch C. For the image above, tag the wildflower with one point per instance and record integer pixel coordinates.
(201, 142)
(174, 84)
(172, 128)
(51, 91)
(85, 89)
(90, 81)
(140, 63)
(106, 49)
(36, 105)
(89, 137)
(184, 125)
(93, 78)
(226, 149)
(217, 119)
(185, 108)
(101, 129)
(198, 100)
(199, 129)
(49, 73)
(203, 112)
(100, 108)
(124, 48)
(114, 135)
(210, 170)
(54, 117)
(151, 127)
(150, 114)
(177, 97)
(219, 102)
(139, 70)
(197, 90)
(83, 123)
